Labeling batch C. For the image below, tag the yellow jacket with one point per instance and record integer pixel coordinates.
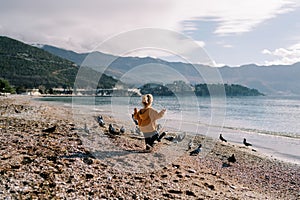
(147, 119)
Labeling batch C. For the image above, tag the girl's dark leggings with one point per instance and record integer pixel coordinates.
(150, 140)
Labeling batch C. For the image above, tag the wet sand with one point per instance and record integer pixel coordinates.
(75, 162)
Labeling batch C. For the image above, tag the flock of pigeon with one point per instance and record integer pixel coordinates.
(175, 139)
(244, 142)
(232, 158)
(114, 131)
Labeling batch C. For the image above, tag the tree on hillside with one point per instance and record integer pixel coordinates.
(5, 87)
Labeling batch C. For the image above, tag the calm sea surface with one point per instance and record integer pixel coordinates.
(264, 115)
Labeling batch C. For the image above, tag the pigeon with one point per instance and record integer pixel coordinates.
(179, 137)
(17, 111)
(170, 138)
(122, 129)
(49, 130)
(246, 143)
(86, 129)
(225, 164)
(196, 151)
(134, 120)
(99, 118)
(112, 130)
(222, 139)
(158, 127)
(100, 121)
(137, 130)
(190, 145)
(176, 139)
(231, 159)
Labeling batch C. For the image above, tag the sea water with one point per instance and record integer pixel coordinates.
(271, 123)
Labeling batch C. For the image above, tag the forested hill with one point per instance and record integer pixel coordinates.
(182, 88)
(25, 66)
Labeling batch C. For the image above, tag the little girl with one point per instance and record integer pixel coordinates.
(146, 118)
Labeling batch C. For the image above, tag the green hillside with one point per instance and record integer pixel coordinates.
(25, 66)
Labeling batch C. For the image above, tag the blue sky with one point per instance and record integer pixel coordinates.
(232, 32)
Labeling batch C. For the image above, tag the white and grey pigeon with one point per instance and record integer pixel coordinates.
(190, 145)
(179, 137)
(101, 121)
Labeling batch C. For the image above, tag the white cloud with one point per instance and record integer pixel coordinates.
(266, 51)
(224, 44)
(227, 46)
(295, 46)
(200, 43)
(235, 16)
(81, 25)
(244, 16)
(284, 56)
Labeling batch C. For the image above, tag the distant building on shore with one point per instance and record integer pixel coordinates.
(32, 92)
(5, 94)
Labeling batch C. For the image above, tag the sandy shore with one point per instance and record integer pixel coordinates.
(74, 162)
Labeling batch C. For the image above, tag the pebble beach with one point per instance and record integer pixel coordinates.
(64, 164)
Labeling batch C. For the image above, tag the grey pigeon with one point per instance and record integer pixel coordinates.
(190, 145)
(112, 130)
(196, 151)
(134, 120)
(170, 138)
(86, 129)
(158, 127)
(49, 130)
(137, 130)
(179, 137)
(122, 129)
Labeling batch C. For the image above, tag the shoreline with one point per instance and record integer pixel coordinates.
(66, 161)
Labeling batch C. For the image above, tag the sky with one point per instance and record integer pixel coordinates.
(232, 32)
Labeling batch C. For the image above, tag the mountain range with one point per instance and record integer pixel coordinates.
(26, 66)
(272, 80)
